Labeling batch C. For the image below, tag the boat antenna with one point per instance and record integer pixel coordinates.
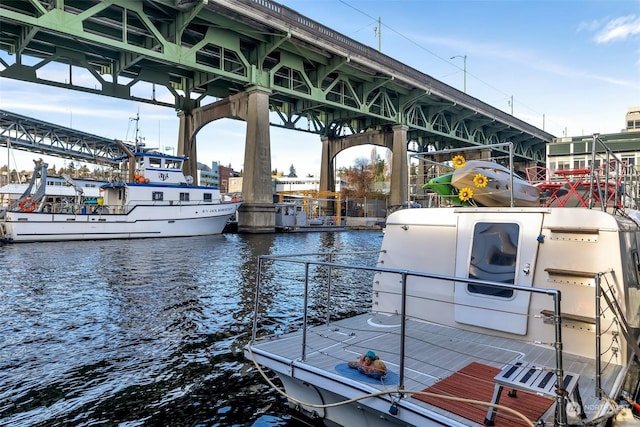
(137, 120)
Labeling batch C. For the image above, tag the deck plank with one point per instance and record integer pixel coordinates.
(433, 352)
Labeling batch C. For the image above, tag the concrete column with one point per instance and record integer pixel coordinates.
(187, 144)
(257, 213)
(399, 169)
(327, 176)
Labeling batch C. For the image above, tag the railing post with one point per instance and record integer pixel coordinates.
(598, 332)
(512, 203)
(329, 289)
(561, 409)
(305, 314)
(257, 300)
(403, 325)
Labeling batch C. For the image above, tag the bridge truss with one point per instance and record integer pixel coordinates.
(24, 133)
(199, 51)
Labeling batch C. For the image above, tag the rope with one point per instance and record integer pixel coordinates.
(382, 393)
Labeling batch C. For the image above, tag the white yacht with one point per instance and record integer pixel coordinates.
(153, 198)
(505, 316)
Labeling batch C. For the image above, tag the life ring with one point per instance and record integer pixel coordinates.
(28, 205)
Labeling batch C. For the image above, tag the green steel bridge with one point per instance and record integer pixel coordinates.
(260, 62)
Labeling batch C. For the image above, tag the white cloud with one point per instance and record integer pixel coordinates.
(619, 29)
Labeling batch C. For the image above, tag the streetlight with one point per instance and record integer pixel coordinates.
(464, 59)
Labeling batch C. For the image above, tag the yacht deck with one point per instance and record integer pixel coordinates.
(449, 350)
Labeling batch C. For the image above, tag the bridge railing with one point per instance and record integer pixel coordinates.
(323, 33)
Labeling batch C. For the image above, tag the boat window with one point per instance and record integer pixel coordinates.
(157, 196)
(155, 162)
(207, 197)
(184, 197)
(493, 257)
(173, 164)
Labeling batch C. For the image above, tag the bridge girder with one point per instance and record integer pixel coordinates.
(24, 133)
(199, 52)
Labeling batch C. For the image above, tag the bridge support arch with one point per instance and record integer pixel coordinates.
(396, 142)
(257, 213)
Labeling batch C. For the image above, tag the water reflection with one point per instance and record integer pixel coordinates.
(144, 332)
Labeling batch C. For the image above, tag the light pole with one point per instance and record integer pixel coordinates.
(464, 68)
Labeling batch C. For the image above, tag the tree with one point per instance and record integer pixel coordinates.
(83, 171)
(292, 172)
(359, 178)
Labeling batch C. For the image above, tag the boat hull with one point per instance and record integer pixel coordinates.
(141, 222)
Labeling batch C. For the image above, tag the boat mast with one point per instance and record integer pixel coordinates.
(8, 161)
(137, 120)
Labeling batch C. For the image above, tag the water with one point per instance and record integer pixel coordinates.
(141, 332)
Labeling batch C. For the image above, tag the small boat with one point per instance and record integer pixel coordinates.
(495, 190)
(154, 199)
(441, 185)
(505, 316)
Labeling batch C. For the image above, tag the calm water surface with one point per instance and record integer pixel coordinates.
(142, 332)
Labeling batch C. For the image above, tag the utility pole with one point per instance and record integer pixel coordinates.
(378, 31)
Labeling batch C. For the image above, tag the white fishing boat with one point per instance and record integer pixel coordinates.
(468, 303)
(153, 199)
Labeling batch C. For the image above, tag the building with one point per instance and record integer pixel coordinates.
(225, 173)
(216, 176)
(576, 152)
(285, 183)
(206, 176)
(633, 119)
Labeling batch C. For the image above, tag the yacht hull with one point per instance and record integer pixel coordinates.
(140, 222)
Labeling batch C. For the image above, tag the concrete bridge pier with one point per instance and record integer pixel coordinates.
(257, 213)
(187, 143)
(399, 163)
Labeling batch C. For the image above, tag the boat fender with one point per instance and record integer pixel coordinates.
(28, 205)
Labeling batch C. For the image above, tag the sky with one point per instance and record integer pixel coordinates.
(570, 67)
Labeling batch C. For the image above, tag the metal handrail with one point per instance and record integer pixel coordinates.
(629, 178)
(555, 294)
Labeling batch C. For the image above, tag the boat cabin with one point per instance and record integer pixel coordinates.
(146, 167)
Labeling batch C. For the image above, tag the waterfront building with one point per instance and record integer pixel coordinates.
(633, 119)
(575, 152)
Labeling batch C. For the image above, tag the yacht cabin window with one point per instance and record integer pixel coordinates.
(157, 196)
(155, 162)
(207, 197)
(184, 197)
(173, 164)
(493, 257)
